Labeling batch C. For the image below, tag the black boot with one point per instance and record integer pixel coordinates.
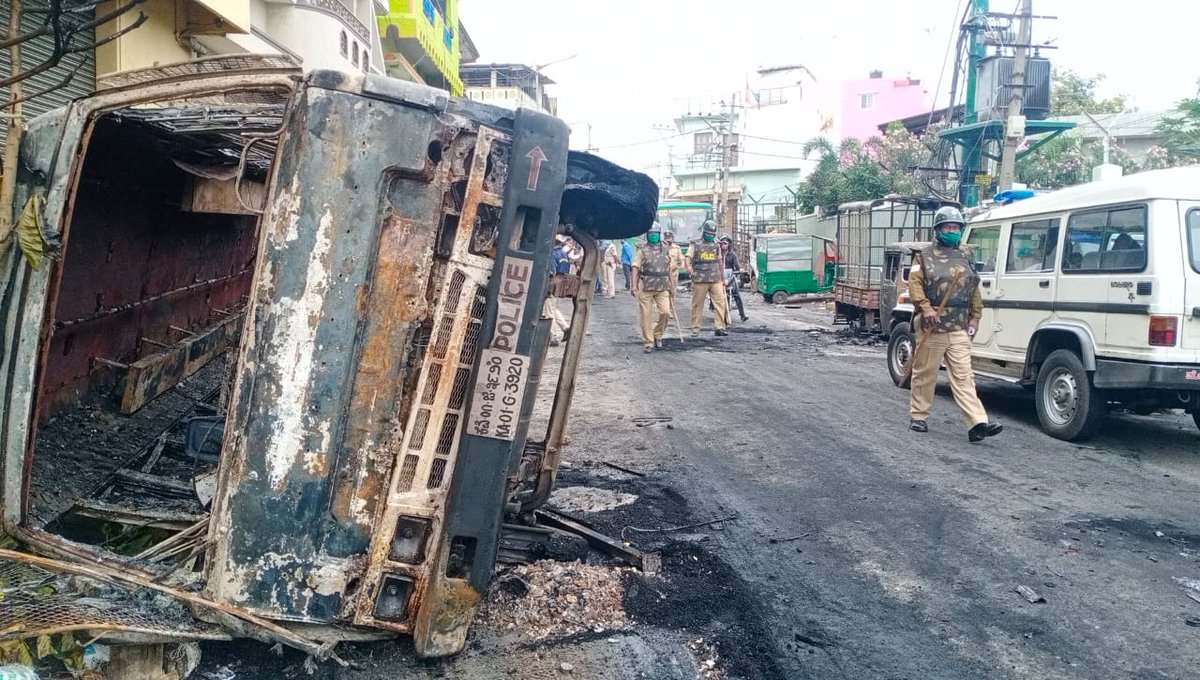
(918, 425)
(984, 430)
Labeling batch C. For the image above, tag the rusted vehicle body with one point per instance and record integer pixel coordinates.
(281, 371)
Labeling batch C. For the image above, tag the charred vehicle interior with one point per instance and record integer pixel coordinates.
(281, 367)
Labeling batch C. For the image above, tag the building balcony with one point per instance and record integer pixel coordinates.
(426, 34)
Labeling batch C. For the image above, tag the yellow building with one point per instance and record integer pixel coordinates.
(419, 40)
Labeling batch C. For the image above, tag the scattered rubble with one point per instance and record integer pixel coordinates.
(707, 660)
(1029, 594)
(554, 599)
(588, 499)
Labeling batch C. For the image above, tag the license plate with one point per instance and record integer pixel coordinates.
(499, 391)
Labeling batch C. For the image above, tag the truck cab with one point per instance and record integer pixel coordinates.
(272, 345)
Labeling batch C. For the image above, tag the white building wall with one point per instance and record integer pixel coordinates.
(507, 97)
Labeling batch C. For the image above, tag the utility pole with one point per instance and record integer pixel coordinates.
(1014, 126)
(726, 160)
(968, 190)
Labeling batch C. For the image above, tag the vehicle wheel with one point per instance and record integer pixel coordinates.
(901, 346)
(779, 297)
(1196, 417)
(1068, 405)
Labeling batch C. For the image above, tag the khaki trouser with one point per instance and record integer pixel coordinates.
(703, 291)
(608, 280)
(648, 302)
(559, 325)
(955, 348)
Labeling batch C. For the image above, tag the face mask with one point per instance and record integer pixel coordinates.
(949, 239)
(710, 237)
(653, 239)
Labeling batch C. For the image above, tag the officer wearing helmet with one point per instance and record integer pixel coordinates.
(705, 265)
(651, 283)
(942, 277)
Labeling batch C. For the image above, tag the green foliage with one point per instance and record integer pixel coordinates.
(1072, 94)
(1180, 130)
(859, 171)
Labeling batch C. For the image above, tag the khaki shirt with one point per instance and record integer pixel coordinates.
(676, 259)
(921, 301)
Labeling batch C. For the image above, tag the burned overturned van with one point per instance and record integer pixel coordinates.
(276, 377)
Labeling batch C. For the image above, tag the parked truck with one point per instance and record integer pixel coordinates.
(276, 376)
(865, 229)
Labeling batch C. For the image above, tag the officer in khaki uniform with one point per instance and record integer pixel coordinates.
(705, 265)
(942, 275)
(651, 280)
(676, 261)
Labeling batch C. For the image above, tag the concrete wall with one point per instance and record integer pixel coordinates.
(151, 44)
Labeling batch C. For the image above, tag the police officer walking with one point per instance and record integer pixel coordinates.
(676, 260)
(942, 277)
(705, 265)
(651, 281)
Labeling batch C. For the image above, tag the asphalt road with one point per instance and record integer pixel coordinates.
(856, 549)
(910, 545)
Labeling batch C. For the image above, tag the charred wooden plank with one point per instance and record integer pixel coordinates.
(159, 517)
(149, 377)
(155, 483)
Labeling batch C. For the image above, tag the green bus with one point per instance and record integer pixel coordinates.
(685, 219)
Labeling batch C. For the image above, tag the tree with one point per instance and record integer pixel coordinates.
(859, 171)
(1072, 94)
(1180, 130)
(66, 22)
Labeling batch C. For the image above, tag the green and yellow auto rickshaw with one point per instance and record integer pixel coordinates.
(790, 264)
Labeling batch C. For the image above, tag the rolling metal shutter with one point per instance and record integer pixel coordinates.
(36, 51)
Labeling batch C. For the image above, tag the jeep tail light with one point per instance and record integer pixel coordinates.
(1163, 330)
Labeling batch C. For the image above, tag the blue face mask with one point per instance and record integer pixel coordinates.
(949, 239)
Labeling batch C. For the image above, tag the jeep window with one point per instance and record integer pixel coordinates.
(985, 243)
(1032, 246)
(1112, 240)
(1193, 235)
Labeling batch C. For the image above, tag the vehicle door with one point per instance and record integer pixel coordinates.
(893, 290)
(829, 268)
(984, 242)
(1190, 331)
(1027, 282)
(1104, 251)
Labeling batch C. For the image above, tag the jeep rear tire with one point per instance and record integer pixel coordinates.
(1069, 407)
(901, 347)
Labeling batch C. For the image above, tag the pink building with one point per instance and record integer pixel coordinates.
(869, 103)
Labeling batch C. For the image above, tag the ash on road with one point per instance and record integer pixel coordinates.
(849, 547)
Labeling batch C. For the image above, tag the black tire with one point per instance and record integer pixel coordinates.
(901, 346)
(1196, 417)
(779, 297)
(1069, 407)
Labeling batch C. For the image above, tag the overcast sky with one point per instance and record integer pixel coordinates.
(638, 61)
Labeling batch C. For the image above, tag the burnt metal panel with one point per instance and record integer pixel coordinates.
(476, 503)
(340, 292)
